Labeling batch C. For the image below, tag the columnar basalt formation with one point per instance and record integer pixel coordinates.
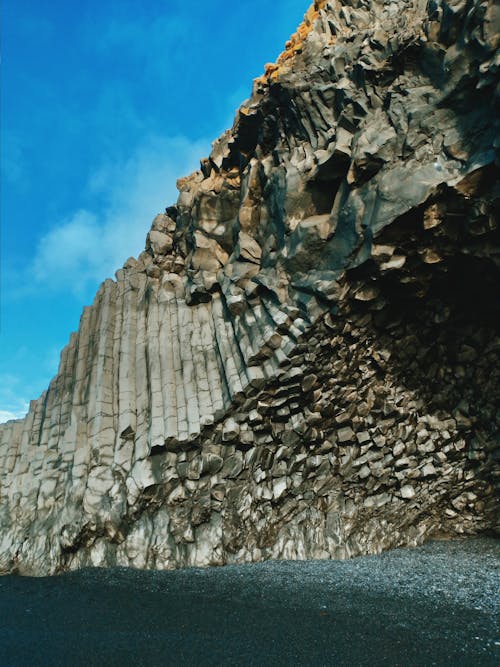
(304, 361)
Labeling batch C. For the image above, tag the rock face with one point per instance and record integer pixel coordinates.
(304, 361)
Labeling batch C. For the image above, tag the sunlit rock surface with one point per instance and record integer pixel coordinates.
(304, 361)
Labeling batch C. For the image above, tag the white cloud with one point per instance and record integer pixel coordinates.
(90, 244)
(6, 416)
(12, 406)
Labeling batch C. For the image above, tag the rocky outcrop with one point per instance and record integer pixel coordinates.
(304, 361)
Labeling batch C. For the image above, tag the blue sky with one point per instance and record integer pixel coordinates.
(104, 104)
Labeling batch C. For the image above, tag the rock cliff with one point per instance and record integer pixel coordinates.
(304, 361)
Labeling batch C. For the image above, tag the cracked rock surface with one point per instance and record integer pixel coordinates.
(304, 361)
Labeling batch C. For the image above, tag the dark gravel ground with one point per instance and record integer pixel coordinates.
(434, 605)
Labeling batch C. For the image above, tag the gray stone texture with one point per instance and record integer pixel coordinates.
(303, 363)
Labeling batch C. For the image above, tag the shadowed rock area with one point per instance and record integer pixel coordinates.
(304, 361)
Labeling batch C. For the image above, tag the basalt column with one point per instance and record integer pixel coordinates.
(304, 361)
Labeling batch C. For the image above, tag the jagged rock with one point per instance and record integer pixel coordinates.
(407, 491)
(304, 361)
(160, 242)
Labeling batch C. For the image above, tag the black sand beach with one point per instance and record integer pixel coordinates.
(434, 605)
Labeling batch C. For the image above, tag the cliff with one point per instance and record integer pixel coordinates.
(304, 361)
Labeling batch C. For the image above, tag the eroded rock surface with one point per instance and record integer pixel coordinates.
(304, 361)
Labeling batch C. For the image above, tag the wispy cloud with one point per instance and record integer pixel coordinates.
(15, 391)
(12, 405)
(91, 243)
(6, 415)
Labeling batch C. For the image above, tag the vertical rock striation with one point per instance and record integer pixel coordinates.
(304, 361)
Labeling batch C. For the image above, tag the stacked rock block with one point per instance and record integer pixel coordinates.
(304, 361)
